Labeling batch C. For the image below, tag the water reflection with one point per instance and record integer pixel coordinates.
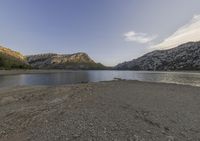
(95, 76)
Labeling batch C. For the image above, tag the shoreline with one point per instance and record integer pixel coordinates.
(40, 71)
(113, 110)
(16, 72)
(30, 72)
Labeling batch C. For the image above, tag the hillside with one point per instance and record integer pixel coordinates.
(63, 61)
(10, 59)
(183, 57)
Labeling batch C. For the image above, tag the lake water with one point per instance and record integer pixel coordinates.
(72, 77)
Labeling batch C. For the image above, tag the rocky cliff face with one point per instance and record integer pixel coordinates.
(10, 59)
(59, 61)
(183, 57)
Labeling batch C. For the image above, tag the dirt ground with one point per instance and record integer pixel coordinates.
(104, 111)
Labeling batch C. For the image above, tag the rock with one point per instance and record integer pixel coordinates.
(3, 132)
(170, 138)
(148, 131)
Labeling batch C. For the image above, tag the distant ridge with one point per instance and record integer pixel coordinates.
(10, 59)
(63, 61)
(183, 57)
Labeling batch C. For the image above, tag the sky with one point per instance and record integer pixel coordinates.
(109, 31)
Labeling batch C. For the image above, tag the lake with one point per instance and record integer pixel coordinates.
(72, 77)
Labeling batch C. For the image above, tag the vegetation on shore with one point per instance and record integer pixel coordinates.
(12, 60)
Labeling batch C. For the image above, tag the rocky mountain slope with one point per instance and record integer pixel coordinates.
(10, 59)
(63, 61)
(183, 57)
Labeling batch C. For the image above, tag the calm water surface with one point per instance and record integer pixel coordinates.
(72, 77)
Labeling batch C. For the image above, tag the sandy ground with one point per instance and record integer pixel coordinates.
(105, 111)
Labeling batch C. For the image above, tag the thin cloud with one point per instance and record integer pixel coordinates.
(142, 38)
(188, 32)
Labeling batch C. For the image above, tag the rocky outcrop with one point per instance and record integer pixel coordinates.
(10, 59)
(183, 57)
(63, 61)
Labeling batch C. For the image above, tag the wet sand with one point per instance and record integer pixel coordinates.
(104, 111)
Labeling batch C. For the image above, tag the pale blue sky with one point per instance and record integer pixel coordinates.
(110, 31)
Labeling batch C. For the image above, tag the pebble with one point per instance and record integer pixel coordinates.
(3, 132)
(170, 138)
(148, 131)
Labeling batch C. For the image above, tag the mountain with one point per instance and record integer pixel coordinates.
(63, 61)
(183, 57)
(10, 59)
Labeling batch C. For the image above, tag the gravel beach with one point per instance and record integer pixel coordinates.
(104, 111)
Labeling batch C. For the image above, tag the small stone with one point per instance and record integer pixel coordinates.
(3, 132)
(163, 132)
(170, 138)
(183, 134)
(148, 131)
(166, 128)
(76, 135)
(131, 139)
(136, 138)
